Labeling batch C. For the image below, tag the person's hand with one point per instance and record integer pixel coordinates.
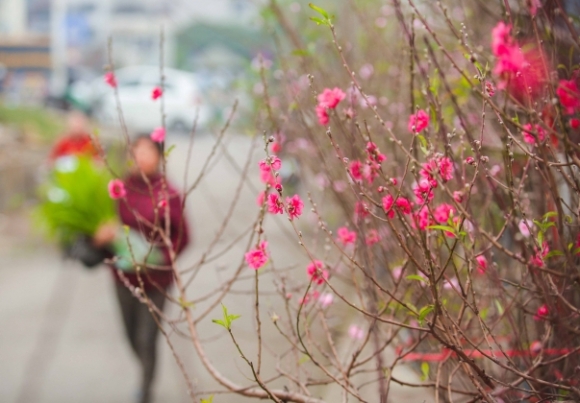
(105, 234)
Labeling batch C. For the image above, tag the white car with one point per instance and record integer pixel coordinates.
(142, 114)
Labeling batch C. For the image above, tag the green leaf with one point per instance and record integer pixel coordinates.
(424, 371)
(417, 277)
(168, 151)
(208, 400)
(219, 322)
(554, 253)
(227, 318)
(319, 10)
(319, 21)
(426, 310)
(445, 228)
(498, 306)
(549, 214)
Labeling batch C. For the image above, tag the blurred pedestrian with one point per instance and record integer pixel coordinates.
(76, 140)
(143, 210)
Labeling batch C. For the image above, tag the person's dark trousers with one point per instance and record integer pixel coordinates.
(141, 330)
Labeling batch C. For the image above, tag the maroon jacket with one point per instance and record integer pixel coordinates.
(137, 211)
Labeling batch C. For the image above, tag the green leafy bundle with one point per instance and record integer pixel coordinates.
(75, 201)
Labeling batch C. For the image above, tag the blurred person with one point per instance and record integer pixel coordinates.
(144, 194)
(76, 140)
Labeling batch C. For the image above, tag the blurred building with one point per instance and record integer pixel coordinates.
(76, 33)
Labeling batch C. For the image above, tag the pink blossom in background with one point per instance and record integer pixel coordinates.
(316, 272)
(294, 205)
(403, 204)
(451, 284)
(276, 147)
(446, 168)
(272, 162)
(345, 236)
(428, 169)
(520, 68)
(539, 255)
(110, 79)
(372, 237)
(258, 257)
(162, 203)
(489, 88)
(534, 5)
(275, 205)
(494, 170)
(443, 212)
(117, 189)
(542, 312)
(423, 191)
(470, 161)
(423, 218)
(361, 209)
(458, 196)
(418, 121)
(481, 264)
(366, 71)
(260, 199)
(158, 135)
(501, 38)
(388, 202)
(535, 346)
(339, 186)
(525, 226)
(355, 332)
(311, 296)
(356, 170)
(574, 123)
(374, 153)
(371, 171)
(156, 93)
(326, 299)
(569, 96)
(397, 272)
(529, 137)
(322, 115)
(330, 98)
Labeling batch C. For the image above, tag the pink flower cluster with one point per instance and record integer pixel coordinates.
(345, 236)
(317, 272)
(529, 137)
(328, 99)
(268, 168)
(401, 203)
(521, 72)
(294, 205)
(258, 257)
(418, 121)
(569, 96)
(369, 170)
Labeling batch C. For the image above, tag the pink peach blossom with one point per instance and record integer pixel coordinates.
(330, 98)
(418, 121)
(117, 189)
(275, 205)
(316, 272)
(345, 236)
(258, 257)
(156, 93)
(294, 206)
(158, 135)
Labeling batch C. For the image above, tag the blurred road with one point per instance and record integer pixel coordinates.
(62, 341)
